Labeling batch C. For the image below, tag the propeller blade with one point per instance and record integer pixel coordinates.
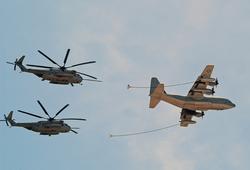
(73, 119)
(74, 131)
(15, 64)
(216, 82)
(43, 108)
(31, 114)
(48, 58)
(213, 91)
(10, 63)
(92, 80)
(60, 110)
(90, 62)
(31, 65)
(2, 120)
(66, 57)
(86, 75)
(6, 120)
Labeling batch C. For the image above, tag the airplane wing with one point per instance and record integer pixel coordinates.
(193, 92)
(186, 118)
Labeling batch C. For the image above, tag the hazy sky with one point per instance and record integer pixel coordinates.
(131, 41)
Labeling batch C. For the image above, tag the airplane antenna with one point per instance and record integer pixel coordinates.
(142, 132)
(146, 87)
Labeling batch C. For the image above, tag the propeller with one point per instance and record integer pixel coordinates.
(15, 63)
(5, 120)
(31, 65)
(66, 58)
(87, 75)
(63, 67)
(216, 82)
(73, 119)
(92, 80)
(45, 111)
(202, 114)
(31, 114)
(90, 62)
(212, 90)
(60, 111)
(48, 58)
(49, 117)
(74, 131)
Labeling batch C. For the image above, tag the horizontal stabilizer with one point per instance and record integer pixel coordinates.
(185, 123)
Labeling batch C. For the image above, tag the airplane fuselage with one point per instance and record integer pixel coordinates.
(46, 127)
(202, 104)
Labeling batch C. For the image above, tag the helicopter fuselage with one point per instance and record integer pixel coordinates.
(46, 127)
(57, 76)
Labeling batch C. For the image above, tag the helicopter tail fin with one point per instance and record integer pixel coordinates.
(19, 63)
(10, 119)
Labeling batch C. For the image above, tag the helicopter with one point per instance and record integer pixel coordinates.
(56, 75)
(49, 126)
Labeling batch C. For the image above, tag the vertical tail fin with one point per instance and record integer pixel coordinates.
(19, 63)
(10, 119)
(156, 91)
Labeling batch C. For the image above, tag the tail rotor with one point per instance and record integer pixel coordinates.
(15, 63)
(5, 120)
(19, 63)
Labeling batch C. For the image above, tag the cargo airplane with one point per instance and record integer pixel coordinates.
(195, 103)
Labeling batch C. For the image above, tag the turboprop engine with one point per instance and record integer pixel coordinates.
(199, 114)
(210, 81)
(205, 91)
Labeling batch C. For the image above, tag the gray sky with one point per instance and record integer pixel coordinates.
(131, 42)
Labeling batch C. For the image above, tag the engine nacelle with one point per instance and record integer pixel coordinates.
(205, 91)
(199, 114)
(210, 81)
(207, 80)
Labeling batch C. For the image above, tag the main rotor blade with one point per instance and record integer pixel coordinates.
(31, 114)
(74, 131)
(87, 75)
(43, 108)
(73, 119)
(48, 58)
(90, 62)
(31, 65)
(66, 57)
(60, 110)
(92, 80)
